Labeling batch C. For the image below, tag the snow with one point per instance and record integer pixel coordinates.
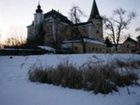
(94, 41)
(47, 48)
(16, 89)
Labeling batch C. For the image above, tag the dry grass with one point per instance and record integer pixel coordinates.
(98, 78)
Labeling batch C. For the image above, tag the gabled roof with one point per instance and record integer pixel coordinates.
(56, 14)
(130, 39)
(94, 12)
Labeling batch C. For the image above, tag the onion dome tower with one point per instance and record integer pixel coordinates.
(38, 16)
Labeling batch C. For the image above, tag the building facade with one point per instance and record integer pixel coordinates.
(56, 30)
(129, 46)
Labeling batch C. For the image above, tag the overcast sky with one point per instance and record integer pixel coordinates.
(17, 14)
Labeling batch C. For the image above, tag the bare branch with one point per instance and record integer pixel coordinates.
(117, 23)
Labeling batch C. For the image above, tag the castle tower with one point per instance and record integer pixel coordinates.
(97, 21)
(38, 16)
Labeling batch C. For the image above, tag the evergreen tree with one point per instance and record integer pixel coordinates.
(108, 42)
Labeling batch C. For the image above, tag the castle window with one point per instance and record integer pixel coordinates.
(97, 32)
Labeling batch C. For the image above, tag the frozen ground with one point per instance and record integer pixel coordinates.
(15, 89)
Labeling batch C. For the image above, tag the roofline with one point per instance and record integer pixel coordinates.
(129, 38)
(45, 15)
(94, 14)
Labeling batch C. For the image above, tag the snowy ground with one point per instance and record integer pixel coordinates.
(15, 89)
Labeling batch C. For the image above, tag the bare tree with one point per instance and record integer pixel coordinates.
(118, 23)
(75, 14)
(16, 36)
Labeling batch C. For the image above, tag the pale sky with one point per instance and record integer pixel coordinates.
(15, 15)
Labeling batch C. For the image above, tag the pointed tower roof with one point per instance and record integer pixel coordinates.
(94, 12)
(39, 10)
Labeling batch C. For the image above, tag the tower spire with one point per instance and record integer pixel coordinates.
(94, 12)
(39, 10)
(38, 2)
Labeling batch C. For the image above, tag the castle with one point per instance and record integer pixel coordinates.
(56, 30)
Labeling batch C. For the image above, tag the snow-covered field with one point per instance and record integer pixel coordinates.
(16, 89)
